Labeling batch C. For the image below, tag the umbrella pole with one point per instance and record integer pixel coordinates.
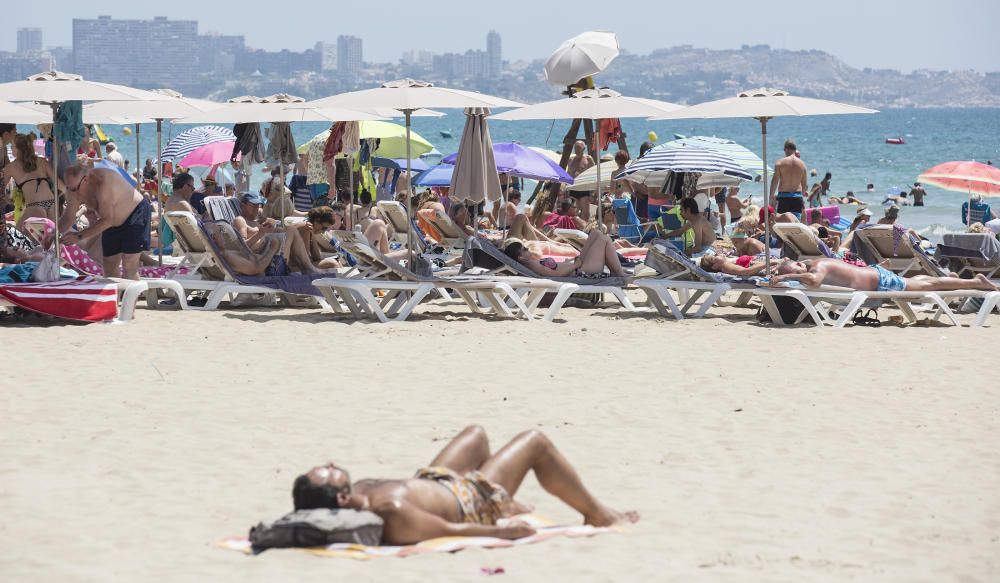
(137, 154)
(597, 196)
(767, 221)
(410, 211)
(350, 199)
(159, 199)
(55, 172)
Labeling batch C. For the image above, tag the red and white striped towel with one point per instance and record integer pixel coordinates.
(87, 300)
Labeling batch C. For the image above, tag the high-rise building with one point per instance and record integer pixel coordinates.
(494, 52)
(140, 53)
(349, 54)
(327, 55)
(29, 40)
(217, 53)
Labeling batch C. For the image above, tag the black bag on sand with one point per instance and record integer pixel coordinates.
(317, 527)
(789, 308)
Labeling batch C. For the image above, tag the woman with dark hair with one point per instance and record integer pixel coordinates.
(568, 217)
(597, 254)
(33, 177)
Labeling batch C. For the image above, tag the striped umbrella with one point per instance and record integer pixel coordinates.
(681, 158)
(740, 154)
(190, 140)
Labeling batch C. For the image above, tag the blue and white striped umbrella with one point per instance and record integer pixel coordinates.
(740, 154)
(190, 140)
(681, 158)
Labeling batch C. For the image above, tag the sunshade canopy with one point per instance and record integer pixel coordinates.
(590, 104)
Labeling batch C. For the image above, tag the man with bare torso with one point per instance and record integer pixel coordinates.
(464, 491)
(789, 182)
(694, 221)
(816, 272)
(119, 213)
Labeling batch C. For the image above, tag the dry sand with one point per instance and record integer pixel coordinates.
(752, 453)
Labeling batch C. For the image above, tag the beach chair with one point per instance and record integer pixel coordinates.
(395, 214)
(403, 289)
(574, 237)
(677, 272)
(895, 249)
(210, 273)
(481, 253)
(453, 237)
(970, 253)
(629, 227)
(223, 208)
(821, 305)
(800, 242)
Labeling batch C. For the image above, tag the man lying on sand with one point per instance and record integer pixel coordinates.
(464, 492)
(816, 272)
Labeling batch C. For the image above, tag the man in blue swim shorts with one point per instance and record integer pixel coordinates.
(789, 182)
(116, 211)
(826, 271)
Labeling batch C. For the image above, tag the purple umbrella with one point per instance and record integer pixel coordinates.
(514, 159)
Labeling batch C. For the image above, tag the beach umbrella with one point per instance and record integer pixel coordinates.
(14, 113)
(596, 104)
(475, 176)
(209, 155)
(587, 180)
(417, 165)
(550, 154)
(189, 140)
(681, 158)
(763, 105)
(740, 154)
(964, 176)
(392, 139)
(56, 88)
(407, 96)
(439, 175)
(717, 180)
(581, 56)
(517, 160)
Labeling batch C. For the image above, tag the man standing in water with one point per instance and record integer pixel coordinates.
(918, 193)
(789, 182)
(120, 214)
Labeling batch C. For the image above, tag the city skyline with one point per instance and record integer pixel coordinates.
(892, 34)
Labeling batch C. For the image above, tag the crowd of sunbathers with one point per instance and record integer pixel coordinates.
(555, 232)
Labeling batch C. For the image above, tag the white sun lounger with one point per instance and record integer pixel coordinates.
(800, 242)
(404, 290)
(875, 245)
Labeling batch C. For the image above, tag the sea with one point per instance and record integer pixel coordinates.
(851, 147)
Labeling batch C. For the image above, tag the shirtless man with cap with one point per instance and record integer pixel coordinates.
(119, 213)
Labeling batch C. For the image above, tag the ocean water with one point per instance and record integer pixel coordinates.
(851, 147)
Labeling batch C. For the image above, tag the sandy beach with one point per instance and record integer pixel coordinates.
(860, 454)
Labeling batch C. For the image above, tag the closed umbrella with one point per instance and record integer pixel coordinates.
(964, 176)
(581, 56)
(762, 105)
(593, 104)
(56, 88)
(407, 96)
(475, 177)
(517, 160)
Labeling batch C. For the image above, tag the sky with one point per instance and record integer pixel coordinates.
(896, 34)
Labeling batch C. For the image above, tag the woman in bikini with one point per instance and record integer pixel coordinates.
(33, 177)
(597, 254)
(318, 221)
(742, 266)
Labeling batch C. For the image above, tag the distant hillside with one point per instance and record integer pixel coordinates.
(686, 74)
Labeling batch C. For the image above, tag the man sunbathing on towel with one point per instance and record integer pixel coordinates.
(816, 272)
(463, 492)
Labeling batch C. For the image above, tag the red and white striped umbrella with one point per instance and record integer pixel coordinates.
(964, 176)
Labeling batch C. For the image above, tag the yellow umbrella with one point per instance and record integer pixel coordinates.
(392, 136)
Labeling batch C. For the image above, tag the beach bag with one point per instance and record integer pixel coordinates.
(789, 308)
(421, 266)
(47, 268)
(318, 527)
